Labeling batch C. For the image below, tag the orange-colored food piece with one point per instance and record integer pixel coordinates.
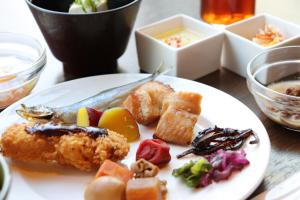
(120, 120)
(143, 189)
(110, 168)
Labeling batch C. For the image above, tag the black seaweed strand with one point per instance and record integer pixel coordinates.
(211, 140)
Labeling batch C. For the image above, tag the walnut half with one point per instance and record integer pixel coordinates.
(293, 91)
(143, 169)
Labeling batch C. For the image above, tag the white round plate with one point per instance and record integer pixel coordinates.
(40, 181)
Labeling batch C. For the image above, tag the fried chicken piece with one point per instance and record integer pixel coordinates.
(78, 150)
(145, 103)
(180, 114)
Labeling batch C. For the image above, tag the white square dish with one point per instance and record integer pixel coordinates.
(191, 61)
(239, 48)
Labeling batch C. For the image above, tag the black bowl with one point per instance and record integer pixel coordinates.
(87, 44)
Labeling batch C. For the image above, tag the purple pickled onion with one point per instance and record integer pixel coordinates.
(224, 163)
(218, 175)
(205, 180)
(239, 158)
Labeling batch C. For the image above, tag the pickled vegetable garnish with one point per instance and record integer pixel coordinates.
(268, 36)
(192, 172)
(226, 162)
(215, 167)
(155, 151)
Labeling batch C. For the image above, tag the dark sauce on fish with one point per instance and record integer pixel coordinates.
(50, 129)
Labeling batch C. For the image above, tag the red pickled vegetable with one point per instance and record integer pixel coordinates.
(217, 167)
(155, 151)
(205, 180)
(226, 162)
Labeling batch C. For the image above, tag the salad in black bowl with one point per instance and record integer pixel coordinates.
(87, 36)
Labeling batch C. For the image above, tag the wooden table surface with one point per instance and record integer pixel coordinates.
(285, 148)
(285, 154)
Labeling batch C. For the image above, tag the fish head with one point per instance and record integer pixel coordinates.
(35, 112)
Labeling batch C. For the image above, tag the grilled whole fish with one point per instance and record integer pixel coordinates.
(105, 99)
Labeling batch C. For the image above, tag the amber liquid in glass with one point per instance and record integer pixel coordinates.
(226, 11)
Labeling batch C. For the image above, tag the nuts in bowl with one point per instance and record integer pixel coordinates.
(273, 77)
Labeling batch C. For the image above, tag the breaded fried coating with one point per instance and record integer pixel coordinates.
(145, 103)
(78, 150)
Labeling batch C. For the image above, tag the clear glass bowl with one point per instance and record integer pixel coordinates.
(273, 77)
(22, 59)
(5, 179)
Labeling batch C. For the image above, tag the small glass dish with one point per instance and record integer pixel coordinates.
(273, 77)
(22, 59)
(5, 180)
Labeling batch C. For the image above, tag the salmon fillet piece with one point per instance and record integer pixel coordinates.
(180, 114)
(176, 126)
(146, 102)
(187, 101)
(78, 150)
(177, 112)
